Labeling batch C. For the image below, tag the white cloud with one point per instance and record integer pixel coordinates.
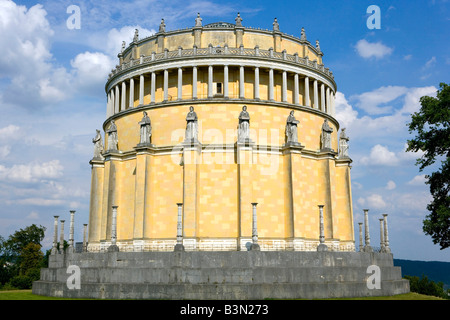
(418, 180)
(375, 201)
(380, 155)
(33, 216)
(371, 101)
(345, 113)
(430, 63)
(33, 172)
(4, 151)
(368, 50)
(391, 185)
(9, 132)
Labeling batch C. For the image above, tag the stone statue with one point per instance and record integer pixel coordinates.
(343, 144)
(112, 137)
(123, 45)
(191, 126)
(198, 21)
(326, 135)
(303, 35)
(162, 26)
(318, 45)
(146, 129)
(244, 125)
(291, 129)
(238, 20)
(136, 35)
(276, 26)
(98, 146)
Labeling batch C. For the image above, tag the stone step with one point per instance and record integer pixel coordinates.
(185, 291)
(221, 275)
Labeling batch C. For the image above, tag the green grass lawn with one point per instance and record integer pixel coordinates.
(27, 295)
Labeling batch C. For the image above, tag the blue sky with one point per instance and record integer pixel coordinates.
(52, 97)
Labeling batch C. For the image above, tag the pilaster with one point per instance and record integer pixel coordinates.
(245, 161)
(191, 173)
(96, 200)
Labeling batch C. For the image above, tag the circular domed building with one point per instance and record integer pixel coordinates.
(235, 125)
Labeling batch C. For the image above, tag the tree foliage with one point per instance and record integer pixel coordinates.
(21, 257)
(432, 127)
(423, 285)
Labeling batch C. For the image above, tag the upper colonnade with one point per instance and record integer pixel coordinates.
(220, 61)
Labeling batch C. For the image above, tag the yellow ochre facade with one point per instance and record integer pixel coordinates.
(217, 69)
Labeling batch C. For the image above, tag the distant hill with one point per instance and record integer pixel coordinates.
(436, 271)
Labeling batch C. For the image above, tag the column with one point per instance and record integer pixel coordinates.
(322, 97)
(55, 236)
(332, 97)
(113, 247)
(111, 93)
(296, 90)
(153, 88)
(210, 81)
(241, 83)
(367, 247)
(255, 245)
(123, 96)
(361, 247)
(84, 237)
(322, 246)
(257, 83)
(141, 89)
(180, 84)
(328, 106)
(108, 105)
(307, 103)
(381, 235)
(71, 242)
(61, 237)
(316, 95)
(194, 82)
(116, 100)
(271, 84)
(166, 85)
(179, 246)
(284, 87)
(386, 234)
(225, 82)
(131, 104)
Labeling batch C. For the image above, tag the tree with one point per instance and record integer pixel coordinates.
(21, 257)
(432, 124)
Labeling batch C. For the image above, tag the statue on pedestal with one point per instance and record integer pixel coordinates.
(191, 126)
(146, 129)
(112, 137)
(238, 20)
(343, 144)
(198, 21)
(162, 26)
(98, 146)
(326, 136)
(244, 125)
(291, 129)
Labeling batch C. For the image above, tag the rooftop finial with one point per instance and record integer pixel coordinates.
(303, 34)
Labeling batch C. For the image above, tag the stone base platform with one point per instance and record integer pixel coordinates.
(232, 275)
